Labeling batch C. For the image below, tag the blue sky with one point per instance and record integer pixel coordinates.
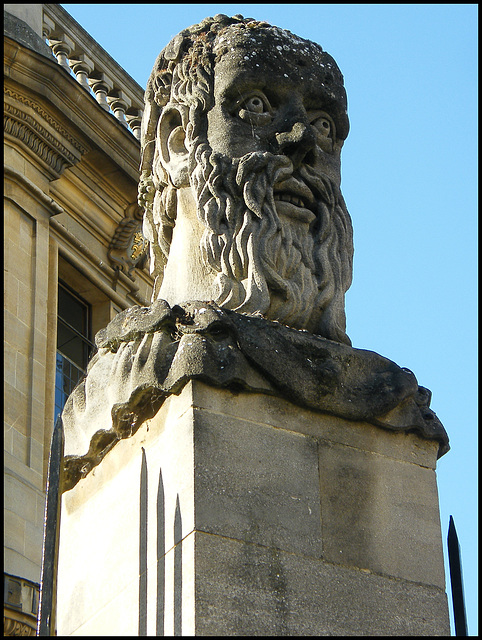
(409, 170)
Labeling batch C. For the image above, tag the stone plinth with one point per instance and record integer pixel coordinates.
(242, 514)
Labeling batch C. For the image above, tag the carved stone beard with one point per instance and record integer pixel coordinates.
(267, 264)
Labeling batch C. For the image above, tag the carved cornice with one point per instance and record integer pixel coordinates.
(29, 102)
(48, 146)
(70, 106)
(21, 126)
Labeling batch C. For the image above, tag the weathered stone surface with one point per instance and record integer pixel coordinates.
(246, 589)
(273, 410)
(380, 514)
(238, 524)
(21, 31)
(101, 535)
(147, 353)
(257, 484)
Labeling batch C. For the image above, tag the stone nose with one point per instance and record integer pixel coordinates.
(297, 142)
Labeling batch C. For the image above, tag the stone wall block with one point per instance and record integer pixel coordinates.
(118, 617)
(99, 546)
(34, 541)
(275, 411)
(19, 444)
(380, 514)
(15, 409)
(20, 499)
(22, 372)
(256, 483)
(10, 292)
(14, 532)
(9, 366)
(17, 334)
(246, 589)
(36, 461)
(101, 541)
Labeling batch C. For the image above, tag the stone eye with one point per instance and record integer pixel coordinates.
(255, 105)
(255, 109)
(323, 126)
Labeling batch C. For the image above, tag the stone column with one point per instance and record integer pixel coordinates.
(243, 514)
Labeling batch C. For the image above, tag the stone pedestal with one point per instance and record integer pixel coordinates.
(243, 514)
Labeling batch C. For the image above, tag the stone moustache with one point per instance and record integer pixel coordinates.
(240, 185)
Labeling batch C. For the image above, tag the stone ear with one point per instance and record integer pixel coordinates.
(171, 138)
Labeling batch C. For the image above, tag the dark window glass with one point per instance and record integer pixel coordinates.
(73, 344)
(73, 311)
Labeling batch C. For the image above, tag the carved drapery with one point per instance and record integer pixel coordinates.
(147, 353)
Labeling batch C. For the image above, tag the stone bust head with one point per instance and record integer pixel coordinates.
(240, 175)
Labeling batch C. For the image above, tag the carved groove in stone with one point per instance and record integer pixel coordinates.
(17, 628)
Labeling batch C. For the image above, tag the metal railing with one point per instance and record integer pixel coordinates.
(81, 56)
(456, 581)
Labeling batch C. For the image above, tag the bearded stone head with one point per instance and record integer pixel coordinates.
(240, 175)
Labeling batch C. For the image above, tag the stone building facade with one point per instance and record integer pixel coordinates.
(74, 251)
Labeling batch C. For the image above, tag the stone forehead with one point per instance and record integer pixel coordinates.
(274, 43)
